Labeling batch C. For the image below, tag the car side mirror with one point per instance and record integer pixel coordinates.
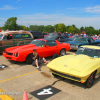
(47, 46)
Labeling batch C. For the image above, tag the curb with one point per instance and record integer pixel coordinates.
(4, 96)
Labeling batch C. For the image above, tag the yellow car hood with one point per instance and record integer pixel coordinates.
(72, 64)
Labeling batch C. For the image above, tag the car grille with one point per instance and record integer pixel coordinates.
(9, 53)
(8, 57)
(67, 76)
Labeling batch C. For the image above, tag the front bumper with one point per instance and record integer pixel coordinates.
(71, 77)
(74, 47)
(11, 57)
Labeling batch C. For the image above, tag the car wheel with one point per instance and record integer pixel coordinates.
(90, 81)
(54, 75)
(29, 59)
(63, 52)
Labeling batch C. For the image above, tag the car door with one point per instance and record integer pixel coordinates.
(18, 40)
(7, 41)
(50, 48)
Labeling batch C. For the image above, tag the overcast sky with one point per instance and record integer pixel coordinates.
(51, 12)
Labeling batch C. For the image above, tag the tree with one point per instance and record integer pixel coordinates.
(60, 27)
(90, 30)
(11, 23)
(81, 29)
(71, 29)
(55, 27)
(22, 27)
(73, 26)
(33, 28)
(76, 30)
(48, 29)
(41, 28)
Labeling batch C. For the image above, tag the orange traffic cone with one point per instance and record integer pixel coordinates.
(25, 97)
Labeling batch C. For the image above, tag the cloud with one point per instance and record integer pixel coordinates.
(3, 18)
(52, 19)
(7, 7)
(95, 9)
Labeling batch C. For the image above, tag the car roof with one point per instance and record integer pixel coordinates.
(14, 32)
(90, 46)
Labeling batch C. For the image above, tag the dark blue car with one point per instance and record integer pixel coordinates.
(77, 42)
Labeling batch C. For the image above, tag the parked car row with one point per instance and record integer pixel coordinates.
(83, 66)
(17, 38)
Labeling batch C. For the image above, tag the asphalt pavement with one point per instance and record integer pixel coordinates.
(40, 85)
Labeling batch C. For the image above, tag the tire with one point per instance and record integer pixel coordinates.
(54, 75)
(90, 81)
(63, 52)
(29, 59)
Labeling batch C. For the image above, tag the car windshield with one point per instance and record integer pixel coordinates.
(1, 36)
(39, 43)
(75, 36)
(80, 39)
(51, 37)
(95, 53)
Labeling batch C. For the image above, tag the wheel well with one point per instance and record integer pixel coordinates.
(28, 55)
(62, 49)
(27, 60)
(95, 71)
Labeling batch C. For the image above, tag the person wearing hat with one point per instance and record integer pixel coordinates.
(37, 60)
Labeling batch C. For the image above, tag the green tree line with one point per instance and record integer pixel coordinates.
(11, 24)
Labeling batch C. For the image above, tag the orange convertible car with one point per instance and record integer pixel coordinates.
(44, 47)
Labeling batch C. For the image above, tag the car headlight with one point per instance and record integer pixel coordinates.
(76, 46)
(16, 54)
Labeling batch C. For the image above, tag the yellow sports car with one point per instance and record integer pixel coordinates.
(83, 66)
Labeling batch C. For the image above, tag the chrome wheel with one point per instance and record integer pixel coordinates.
(63, 52)
(90, 81)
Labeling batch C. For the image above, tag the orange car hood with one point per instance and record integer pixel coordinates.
(21, 48)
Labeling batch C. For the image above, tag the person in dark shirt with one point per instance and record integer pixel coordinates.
(37, 60)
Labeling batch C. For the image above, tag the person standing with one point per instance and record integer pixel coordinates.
(66, 35)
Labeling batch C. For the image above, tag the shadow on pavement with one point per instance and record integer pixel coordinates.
(74, 83)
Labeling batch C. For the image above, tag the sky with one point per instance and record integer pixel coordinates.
(50, 12)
